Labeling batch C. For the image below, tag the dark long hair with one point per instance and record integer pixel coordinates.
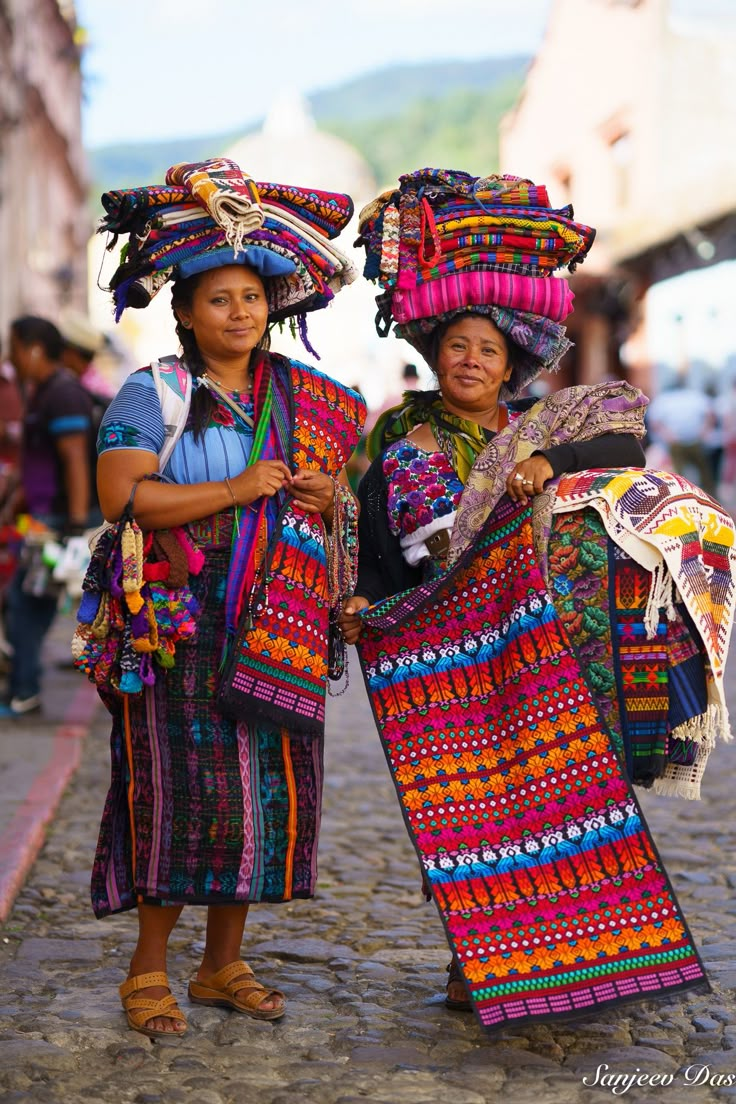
(29, 329)
(203, 401)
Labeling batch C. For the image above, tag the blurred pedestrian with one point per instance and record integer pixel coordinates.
(728, 471)
(11, 415)
(11, 423)
(55, 480)
(714, 434)
(82, 343)
(681, 419)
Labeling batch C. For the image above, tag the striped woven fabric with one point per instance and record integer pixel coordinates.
(439, 242)
(551, 298)
(213, 205)
(542, 868)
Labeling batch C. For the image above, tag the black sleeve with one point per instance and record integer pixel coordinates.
(382, 569)
(610, 450)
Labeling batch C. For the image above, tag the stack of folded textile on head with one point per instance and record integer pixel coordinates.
(445, 241)
(214, 207)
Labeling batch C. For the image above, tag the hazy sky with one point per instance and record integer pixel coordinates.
(171, 68)
(159, 69)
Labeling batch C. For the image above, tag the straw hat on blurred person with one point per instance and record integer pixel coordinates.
(79, 333)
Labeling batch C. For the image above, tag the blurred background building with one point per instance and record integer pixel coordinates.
(624, 113)
(44, 224)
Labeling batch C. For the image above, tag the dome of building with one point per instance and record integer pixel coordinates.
(290, 142)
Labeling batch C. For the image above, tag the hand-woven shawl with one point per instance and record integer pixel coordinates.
(229, 194)
(573, 414)
(277, 666)
(685, 538)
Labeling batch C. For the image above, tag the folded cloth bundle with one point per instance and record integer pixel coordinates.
(213, 207)
(446, 242)
(226, 192)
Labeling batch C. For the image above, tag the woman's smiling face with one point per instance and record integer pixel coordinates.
(472, 364)
(229, 312)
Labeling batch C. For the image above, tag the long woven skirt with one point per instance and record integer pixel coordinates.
(203, 809)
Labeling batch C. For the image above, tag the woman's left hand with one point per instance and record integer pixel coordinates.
(313, 491)
(350, 622)
(528, 478)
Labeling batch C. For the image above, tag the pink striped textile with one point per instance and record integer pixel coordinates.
(548, 296)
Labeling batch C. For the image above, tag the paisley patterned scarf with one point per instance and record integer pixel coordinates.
(573, 414)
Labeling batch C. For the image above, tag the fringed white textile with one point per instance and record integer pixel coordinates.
(686, 540)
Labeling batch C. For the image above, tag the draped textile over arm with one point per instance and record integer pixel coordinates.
(573, 414)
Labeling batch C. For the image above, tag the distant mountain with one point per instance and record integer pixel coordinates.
(401, 117)
(132, 164)
(459, 131)
(384, 93)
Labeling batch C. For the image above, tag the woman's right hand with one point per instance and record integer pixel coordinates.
(264, 478)
(351, 625)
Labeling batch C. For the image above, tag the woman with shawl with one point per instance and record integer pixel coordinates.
(213, 802)
(516, 657)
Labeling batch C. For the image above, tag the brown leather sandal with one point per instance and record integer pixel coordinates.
(140, 1010)
(235, 986)
(455, 975)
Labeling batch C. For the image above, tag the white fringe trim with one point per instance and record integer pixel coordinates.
(677, 787)
(661, 596)
(681, 780)
(705, 729)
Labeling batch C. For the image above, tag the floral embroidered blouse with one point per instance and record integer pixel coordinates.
(423, 494)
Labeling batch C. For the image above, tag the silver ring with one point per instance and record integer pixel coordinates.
(520, 476)
(529, 481)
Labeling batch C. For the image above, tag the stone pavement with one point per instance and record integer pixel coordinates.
(38, 756)
(362, 966)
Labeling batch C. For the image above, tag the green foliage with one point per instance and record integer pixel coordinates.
(385, 93)
(459, 131)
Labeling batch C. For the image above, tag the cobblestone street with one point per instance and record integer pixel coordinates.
(363, 968)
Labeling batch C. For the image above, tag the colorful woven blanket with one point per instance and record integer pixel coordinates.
(434, 203)
(549, 885)
(550, 298)
(688, 542)
(280, 653)
(229, 194)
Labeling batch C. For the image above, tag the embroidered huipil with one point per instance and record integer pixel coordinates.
(423, 493)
